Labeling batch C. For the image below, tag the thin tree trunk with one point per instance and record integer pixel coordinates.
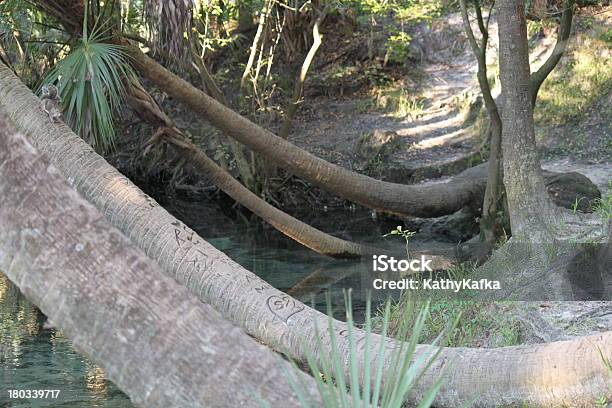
(154, 339)
(489, 221)
(299, 84)
(263, 16)
(531, 209)
(536, 375)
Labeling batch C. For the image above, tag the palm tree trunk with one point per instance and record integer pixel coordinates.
(312, 238)
(570, 373)
(426, 200)
(295, 229)
(155, 340)
(423, 201)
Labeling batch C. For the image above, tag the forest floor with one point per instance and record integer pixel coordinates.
(423, 120)
(438, 118)
(412, 131)
(425, 111)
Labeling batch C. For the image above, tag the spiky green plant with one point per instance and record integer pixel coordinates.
(92, 82)
(337, 389)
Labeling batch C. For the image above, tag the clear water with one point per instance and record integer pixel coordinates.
(35, 358)
(32, 357)
(286, 264)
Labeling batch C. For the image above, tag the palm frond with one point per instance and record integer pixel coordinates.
(91, 81)
(339, 390)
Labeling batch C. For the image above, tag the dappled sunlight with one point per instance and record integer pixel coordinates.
(449, 138)
(95, 379)
(583, 76)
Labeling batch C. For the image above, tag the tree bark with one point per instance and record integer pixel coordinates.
(489, 221)
(299, 83)
(531, 209)
(295, 229)
(263, 16)
(312, 238)
(533, 375)
(155, 340)
(423, 201)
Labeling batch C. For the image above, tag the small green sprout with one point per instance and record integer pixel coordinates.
(407, 234)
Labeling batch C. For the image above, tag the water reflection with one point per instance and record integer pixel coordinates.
(288, 265)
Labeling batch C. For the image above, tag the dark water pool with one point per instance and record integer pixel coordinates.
(32, 357)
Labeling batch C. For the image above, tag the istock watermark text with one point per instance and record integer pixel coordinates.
(384, 263)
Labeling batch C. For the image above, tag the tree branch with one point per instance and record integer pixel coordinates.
(468, 29)
(299, 85)
(565, 28)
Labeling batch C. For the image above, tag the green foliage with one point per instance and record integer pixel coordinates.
(606, 36)
(29, 42)
(209, 35)
(417, 10)
(92, 84)
(131, 12)
(404, 233)
(475, 323)
(607, 362)
(603, 206)
(339, 389)
(403, 10)
(402, 13)
(535, 28)
(398, 49)
(409, 106)
(376, 75)
(478, 323)
(580, 80)
(400, 103)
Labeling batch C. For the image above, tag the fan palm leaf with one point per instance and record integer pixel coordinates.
(92, 81)
(342, 390)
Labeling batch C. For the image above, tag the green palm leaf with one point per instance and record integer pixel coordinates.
(340, 390)
(92, 81)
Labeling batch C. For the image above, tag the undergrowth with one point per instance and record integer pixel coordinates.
(582, 77)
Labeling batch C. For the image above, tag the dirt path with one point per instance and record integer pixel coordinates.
(439, 132)
(440, 135)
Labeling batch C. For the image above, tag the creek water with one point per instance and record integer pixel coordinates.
(32, 357)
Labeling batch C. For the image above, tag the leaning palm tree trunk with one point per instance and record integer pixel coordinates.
(310, 237)
(423, 201)
(155, 340)
(570, 373)
(426, 200)
(295, 229)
